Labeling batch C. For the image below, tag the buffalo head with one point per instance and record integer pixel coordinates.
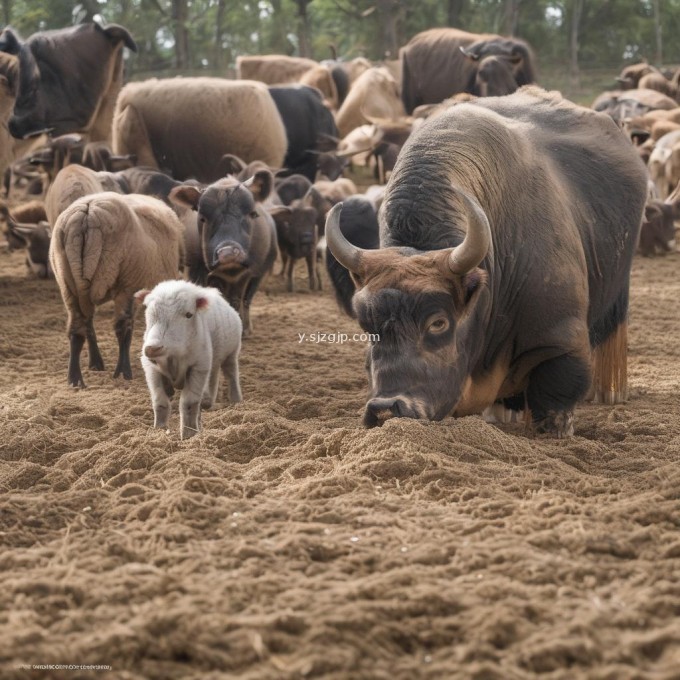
(425, 306)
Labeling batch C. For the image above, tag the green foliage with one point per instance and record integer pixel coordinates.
(611, 31)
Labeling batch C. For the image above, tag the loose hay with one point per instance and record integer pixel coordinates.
(285, 541)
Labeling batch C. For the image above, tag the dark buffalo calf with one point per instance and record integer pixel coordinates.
(658, 229)
(359, 225)
(237, 238)
(297, 234)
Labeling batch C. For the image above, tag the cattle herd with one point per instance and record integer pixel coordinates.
(491, 256)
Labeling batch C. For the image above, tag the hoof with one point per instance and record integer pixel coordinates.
(559, 424)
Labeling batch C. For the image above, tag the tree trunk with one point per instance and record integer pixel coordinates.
(303, 28)
(576, 12)
(180, 13)
(657, 32)
(7, 12)
(510, 17)
(388, 16)
(454, 10)
(219, 32)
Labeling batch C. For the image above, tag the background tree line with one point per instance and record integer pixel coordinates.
(569, 36)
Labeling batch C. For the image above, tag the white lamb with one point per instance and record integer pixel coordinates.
(191, 332)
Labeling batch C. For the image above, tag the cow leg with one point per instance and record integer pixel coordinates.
(75, 376)
(284, 262)
(76, 329)
(96, 361)
(555, 386)
(190, 402)
(250, 291)
(311, 270)
(290, 284)
(123, 327)
(231, 375)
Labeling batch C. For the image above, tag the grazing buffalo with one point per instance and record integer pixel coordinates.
(237, 238)
(444, 61)
(310, 127)
(507, 234)
(68, 79)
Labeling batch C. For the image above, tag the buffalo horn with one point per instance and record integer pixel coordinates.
(347, 254)
(475, 245)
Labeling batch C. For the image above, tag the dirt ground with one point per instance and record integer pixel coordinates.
(285, 541)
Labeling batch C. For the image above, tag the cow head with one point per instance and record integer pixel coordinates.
(658, 228)
(227, 212)
(62, 76)
(296, 226)
(425, 306)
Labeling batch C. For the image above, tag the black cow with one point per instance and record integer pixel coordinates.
(441, 62)
(359, 225)
(310, 127)
(237, 238)
(68, 79)
(507, 235)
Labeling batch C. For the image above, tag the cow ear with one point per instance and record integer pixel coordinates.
(140, 295)
(186, 195)
(117, 34)
(279, 211)
(9, 42)
(202, 302)
(260, 184)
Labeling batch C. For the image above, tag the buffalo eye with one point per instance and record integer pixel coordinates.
(437, 325)
(188, 315)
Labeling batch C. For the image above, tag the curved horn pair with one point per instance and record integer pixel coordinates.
(462, 259)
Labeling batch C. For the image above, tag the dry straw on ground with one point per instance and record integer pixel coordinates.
(285, 541)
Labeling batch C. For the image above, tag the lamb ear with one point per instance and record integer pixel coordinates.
(186, 195)
(140, 295)
(202, 302)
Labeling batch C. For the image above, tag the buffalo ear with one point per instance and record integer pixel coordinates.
(652, 211)
(469, 55)
(230, 165)
(9, 42)
(279, 211)
(472, 282)
(186, 195)
(260, 184)
(117, 34)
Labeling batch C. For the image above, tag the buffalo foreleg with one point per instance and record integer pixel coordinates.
(555, 386)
